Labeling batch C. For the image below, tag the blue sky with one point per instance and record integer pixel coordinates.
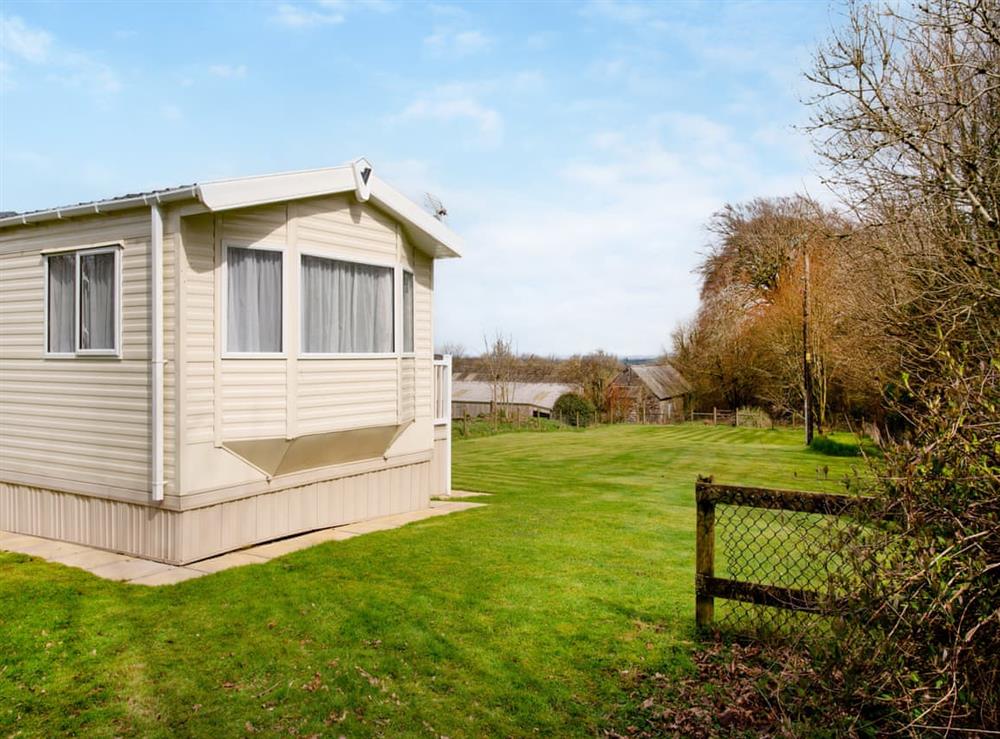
(578, 147)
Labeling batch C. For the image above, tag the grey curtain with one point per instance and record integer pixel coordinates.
(62, 302)
(346, 307)
(97, 301)
(253, 308)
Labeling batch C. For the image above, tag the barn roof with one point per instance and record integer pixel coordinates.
(536, 394)
(662, 380)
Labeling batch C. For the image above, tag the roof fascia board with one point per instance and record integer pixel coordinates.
(250, 191)
(428, 233)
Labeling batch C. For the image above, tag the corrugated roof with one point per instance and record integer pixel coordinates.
(537, 394)
(662, 380)
(143, 195)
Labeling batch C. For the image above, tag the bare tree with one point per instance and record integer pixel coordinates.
(453, 348)
(499, 362)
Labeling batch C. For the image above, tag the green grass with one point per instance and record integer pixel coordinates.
(842, 444)
(512, 619)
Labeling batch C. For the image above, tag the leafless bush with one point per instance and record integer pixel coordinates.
(909, 118)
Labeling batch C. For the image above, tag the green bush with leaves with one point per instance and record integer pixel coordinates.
(574, 409)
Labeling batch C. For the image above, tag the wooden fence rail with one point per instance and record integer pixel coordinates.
(708, 587)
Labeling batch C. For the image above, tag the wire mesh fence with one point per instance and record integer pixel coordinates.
(772, 558)
(786, 550)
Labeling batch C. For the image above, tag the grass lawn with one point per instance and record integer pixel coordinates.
(513, 619)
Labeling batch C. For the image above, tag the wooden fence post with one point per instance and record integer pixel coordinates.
(704, 607)
(715, 416)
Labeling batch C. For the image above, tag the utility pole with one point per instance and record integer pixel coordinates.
(806, 354)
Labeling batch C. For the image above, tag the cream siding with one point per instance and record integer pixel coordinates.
(423, 334)
(340, 394)
(197, 273)
(253, 398)
(335, 226)
(75, 420)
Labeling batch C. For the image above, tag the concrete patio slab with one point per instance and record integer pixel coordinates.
(226, 561)
(444, 507)
(90, 558)
(462, 494)
(129, 568)
(24, 544)
(113, 566)
(168, 577)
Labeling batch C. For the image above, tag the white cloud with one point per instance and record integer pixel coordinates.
(487, 122)
(171, 112)
(297, 16)
(36, 47)
(324, 12)
(19, 40)
(81, 71)
(640, 15)
(228, 71)
(529, 81)
(455, 43)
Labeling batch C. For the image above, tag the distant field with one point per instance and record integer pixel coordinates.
(512, 619)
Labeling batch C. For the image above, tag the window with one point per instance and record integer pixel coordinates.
(347, 308)
(253, 300)
(83, 302)
(407, 312)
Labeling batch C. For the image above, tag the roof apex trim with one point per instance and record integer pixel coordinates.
(428, 234)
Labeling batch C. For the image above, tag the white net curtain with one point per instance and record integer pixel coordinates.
(97, 301)
(346, 307)
(253, 308)
(62, 303)
(94, 305)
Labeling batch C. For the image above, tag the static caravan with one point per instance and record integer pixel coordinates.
(193, 370)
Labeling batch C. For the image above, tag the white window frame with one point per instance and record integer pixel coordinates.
(334, 257)
(402, 320)
(78, 252)
(224, 310)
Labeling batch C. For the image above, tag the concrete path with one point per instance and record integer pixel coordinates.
(113, 566)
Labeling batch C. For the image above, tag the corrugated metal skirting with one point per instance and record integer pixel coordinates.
(179, 537)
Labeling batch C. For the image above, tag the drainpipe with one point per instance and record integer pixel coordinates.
(156, 353)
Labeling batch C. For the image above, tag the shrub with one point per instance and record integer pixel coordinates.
(833, 448)
(574, 409)
(755, 418)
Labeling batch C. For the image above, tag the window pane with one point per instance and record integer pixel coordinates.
(62, 303)
(346, 307)
(253, 309)
(97, 301)
(407, 312)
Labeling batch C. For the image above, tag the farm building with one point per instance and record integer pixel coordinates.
(473, 397)
(193, 370)
(649, 393)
